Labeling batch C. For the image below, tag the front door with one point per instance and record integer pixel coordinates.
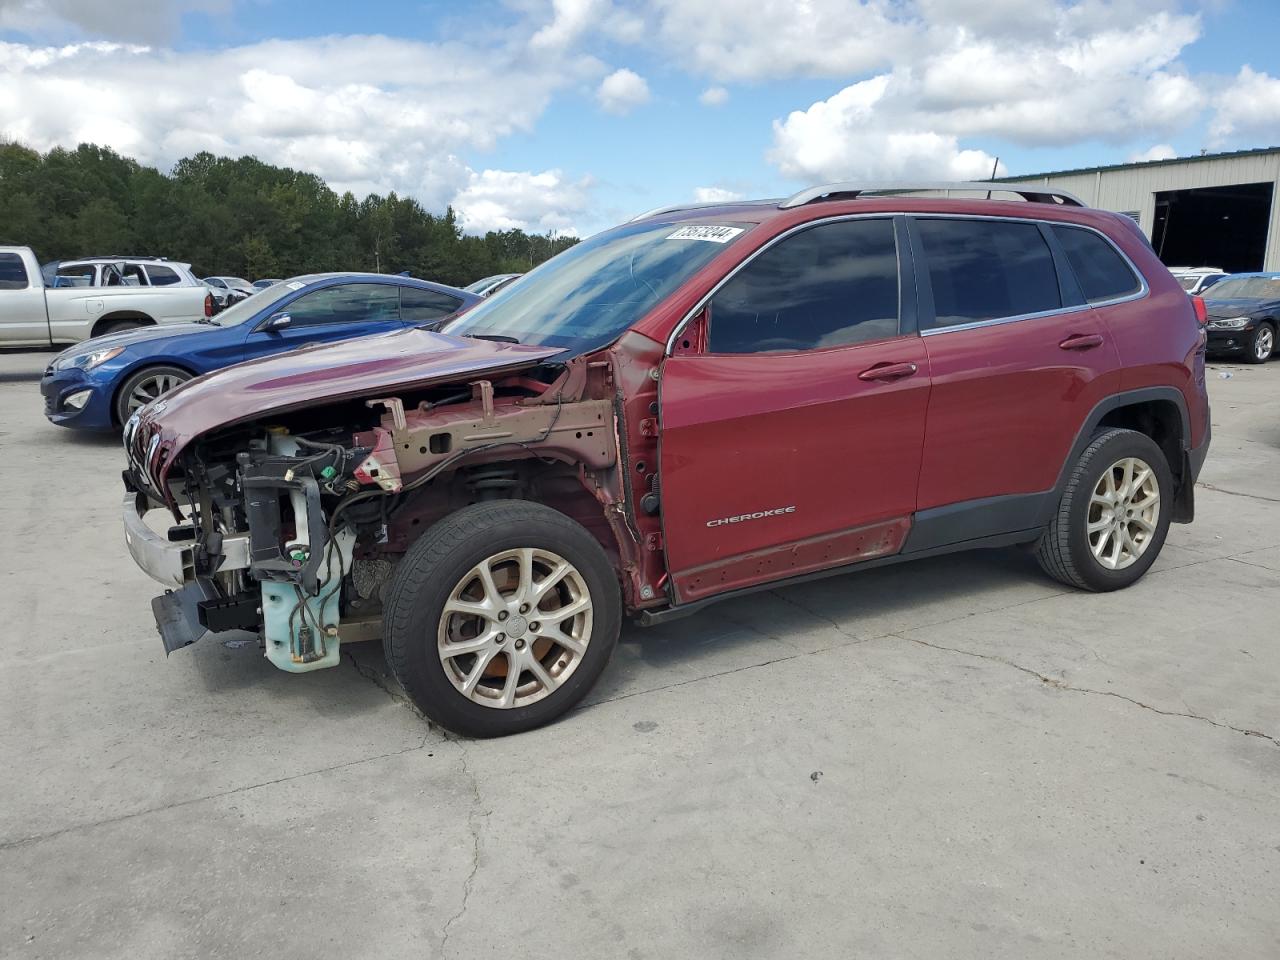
(792, 442)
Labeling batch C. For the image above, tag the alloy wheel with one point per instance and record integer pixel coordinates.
(515, 628)
(1263, 343)
(1124, 511)
(150, 388)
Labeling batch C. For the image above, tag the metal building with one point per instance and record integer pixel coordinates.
(1214, 210)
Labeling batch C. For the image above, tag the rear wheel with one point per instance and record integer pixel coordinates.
(501, 617)
(144, 386)
(1113, 516)
(1263, 344)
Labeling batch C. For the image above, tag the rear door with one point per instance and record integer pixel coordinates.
(24, 321)
(1018, 359)
(791, 438)
(338, 312)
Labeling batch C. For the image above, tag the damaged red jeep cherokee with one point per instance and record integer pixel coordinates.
(693, 405)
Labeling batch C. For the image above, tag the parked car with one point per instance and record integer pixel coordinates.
(35, 313)
(263, 284)
(488, 286)
(116, 271)
(1196, 280)
(1244, 313)
(98, 384)
(691, 406)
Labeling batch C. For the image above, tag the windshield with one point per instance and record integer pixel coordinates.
(250, 306)
(586, 296)
(1247, 288)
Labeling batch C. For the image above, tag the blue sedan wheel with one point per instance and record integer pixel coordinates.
(146, 385)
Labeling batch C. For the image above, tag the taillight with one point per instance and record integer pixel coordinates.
(208, 305)
(1202, 312)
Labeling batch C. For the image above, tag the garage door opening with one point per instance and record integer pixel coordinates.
(1213, 226)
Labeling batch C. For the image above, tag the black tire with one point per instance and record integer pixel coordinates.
(1064, 552)
(1263, 330)
(440, 560)
(138, 377)
(120, 326)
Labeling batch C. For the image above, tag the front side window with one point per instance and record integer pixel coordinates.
(828, 286)
(13, 275)
(76, 275)
(418, 305)
(1099, 268)
(162, 276)
(987, 269)
(346, 303)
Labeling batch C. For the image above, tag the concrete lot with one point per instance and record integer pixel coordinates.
(956, 758)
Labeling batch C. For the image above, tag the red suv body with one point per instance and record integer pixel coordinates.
(698, 403)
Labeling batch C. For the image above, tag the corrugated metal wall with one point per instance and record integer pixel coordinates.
(1134, 189)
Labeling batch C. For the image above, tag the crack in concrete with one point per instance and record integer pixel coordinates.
(1238, 493)
(1062, 685)
(473, 826)
(378, 681)
(177, 804)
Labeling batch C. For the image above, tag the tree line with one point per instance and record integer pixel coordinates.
(238, 217)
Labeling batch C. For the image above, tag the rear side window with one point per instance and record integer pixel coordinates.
(13, 275)
(421, 306)
(987, 269)
(1101, 271)
(833, 284)
(162, 276)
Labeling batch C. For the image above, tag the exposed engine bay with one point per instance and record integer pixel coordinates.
(292, 526)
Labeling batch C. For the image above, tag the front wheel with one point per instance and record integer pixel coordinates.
(1262, 345)
(501, 617)
(144, 386)
(1113, 516)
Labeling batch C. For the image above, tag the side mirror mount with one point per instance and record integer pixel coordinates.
(279, 321)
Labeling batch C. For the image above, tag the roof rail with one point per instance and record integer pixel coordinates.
(851, 190)
(677, 207)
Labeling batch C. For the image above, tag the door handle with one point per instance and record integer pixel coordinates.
(1081, 341)
(888, 371)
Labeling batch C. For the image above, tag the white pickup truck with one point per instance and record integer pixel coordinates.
(33, 314)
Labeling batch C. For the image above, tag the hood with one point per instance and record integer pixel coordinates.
(1239, 307)
(127, 338)
(365, 367)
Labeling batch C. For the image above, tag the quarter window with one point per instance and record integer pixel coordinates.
(422, 306)
(833, 284)
(346, 303)
(162, 276)
(13, 275)
(1101, 271)
(987, 269)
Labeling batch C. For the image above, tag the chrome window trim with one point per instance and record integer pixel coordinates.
(1142, 291)
(678, 329)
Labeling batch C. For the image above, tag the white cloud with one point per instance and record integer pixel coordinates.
(933, 116)
(622, 91)
(714, 195)
(1161, 151)
(363, 112)
(759, 39)
(538, 202)
(713, 97)
(1249, 106)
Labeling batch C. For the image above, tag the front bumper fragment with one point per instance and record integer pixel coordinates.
(173, 561)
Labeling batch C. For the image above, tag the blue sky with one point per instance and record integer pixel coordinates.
(572, 114)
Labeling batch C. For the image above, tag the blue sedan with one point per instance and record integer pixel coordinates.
(97, 384)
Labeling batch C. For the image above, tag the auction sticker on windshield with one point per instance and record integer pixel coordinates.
(706, 232)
